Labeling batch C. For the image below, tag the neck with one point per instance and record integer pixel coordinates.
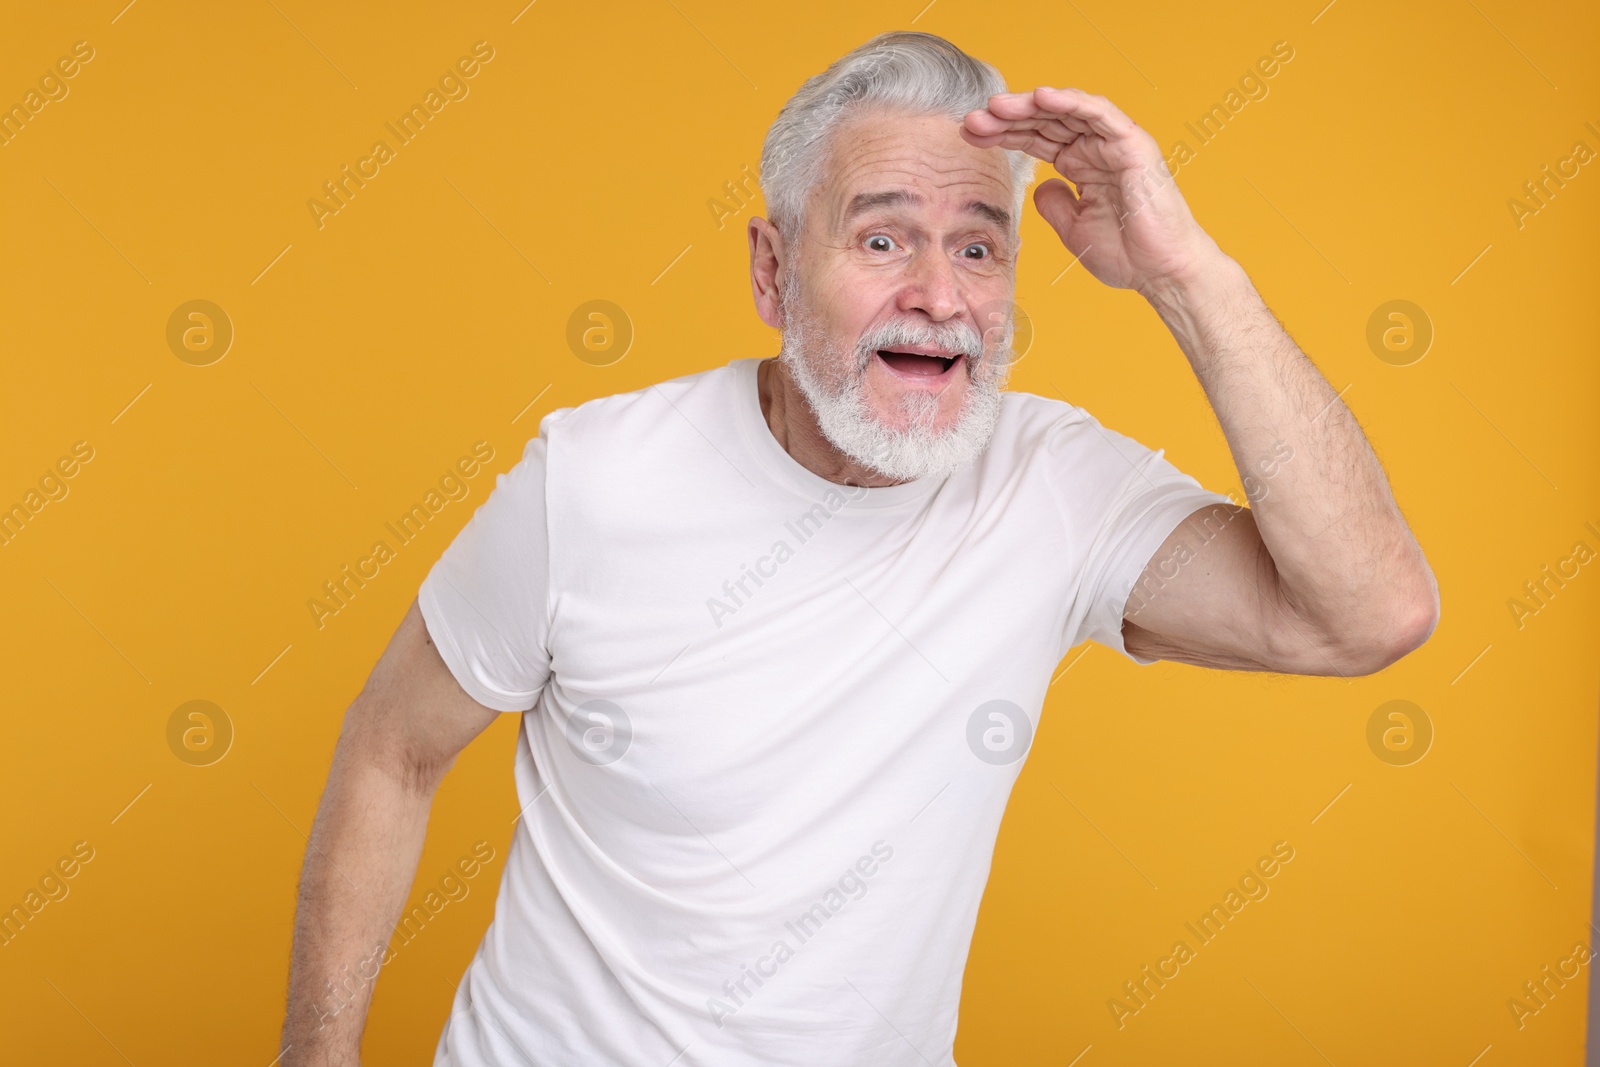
(792, 422)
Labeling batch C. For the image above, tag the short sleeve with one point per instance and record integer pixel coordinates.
(1120, 500)
(486, 599)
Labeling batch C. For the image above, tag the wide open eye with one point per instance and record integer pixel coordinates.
(872, 243)
(977, 244)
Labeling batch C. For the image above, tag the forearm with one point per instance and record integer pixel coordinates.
(362, 858)
(1344, 559)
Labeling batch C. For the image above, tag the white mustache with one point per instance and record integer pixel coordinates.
(959, 337)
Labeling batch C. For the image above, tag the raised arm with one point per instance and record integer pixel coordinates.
(400, 736)
(1321, 574)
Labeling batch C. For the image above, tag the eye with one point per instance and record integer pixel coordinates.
(977, 244)
(881, 237)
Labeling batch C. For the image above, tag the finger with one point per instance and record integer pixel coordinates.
(1014, 105)
(1027, 114)
(1010, 100)
(1083, 160)
(982, 140)
(985, 120)
(987, 124)
(1072, 104)
(1049, 125)
(1029, 141)
(1096, 112)
(1055, 201)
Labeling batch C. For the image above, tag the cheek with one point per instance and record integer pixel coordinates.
(843, 296)
(842, 317)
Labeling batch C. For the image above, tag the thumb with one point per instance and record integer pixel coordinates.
(1058, 204)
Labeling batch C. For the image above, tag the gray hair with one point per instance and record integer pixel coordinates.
(901, 70)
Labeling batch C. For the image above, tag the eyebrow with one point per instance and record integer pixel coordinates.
(864, 202)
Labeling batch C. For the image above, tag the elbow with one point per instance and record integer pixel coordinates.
(1424, 617)
(372, 747)
(1404, 626)
(1420, 620)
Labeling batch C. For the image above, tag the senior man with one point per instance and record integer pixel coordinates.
(780, 631)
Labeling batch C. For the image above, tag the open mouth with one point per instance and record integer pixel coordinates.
(916, 364)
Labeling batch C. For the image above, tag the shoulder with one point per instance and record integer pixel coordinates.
(641, 410)
(643, 447)
(1065, 427)
(1039, 412)
(1034, 423)
(1084, 461)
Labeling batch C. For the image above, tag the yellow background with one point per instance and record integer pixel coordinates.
(431, 313)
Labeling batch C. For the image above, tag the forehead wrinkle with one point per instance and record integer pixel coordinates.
(911, 162)
(926, 165)
(867, 202)
(968, 183)
(869, 142)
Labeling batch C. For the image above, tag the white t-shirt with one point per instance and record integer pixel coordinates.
(771, 722)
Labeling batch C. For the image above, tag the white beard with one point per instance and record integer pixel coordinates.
(845, 415)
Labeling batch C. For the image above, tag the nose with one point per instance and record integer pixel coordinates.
(931, 287)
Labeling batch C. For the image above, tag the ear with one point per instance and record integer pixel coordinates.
(766, 271)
